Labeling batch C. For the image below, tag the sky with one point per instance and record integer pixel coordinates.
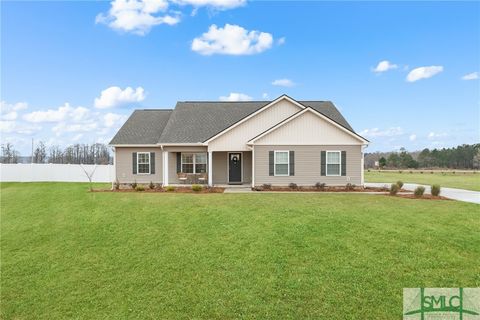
(403, 74)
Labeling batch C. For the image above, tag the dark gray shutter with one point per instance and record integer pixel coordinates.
(292, 163)
(134, 163)
(323, 161)
(344, 163)
(179, 162)
(271, 165)
(152, 162)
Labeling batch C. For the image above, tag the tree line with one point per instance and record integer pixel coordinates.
(97, 153)
(466, 156)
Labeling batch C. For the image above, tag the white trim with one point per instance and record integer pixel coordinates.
(210, 168)
(254, 114)
(275, 163)
(196, 144)
(149, 163)
(340, 163)
(194, 158)
(134, 145)
(253, 166)
(165, 168)
(228, 166)
(296, 115)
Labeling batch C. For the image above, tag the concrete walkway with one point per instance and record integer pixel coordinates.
(451, 193)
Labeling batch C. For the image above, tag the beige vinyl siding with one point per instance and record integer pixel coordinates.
(308, 129)
(172, 160)
(236, 138)
(124, 166)
(307, 165)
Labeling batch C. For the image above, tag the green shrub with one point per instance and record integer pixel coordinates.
(419, 191)
(139, 188)
(197, 187)
(293, 186)
(266, 186)
(350, 186)
(134, 185)
(400, 184)
(394, 189)
(436, 190)
(151, 185)
(169, 188)
(320, 186)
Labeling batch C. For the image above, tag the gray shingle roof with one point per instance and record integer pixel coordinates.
(143, 127)
(197, 121)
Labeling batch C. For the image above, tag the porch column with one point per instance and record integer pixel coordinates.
(210, 168)
(165, 168)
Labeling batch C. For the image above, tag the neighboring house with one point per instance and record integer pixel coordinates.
(253, 143)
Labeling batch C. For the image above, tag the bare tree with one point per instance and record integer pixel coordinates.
(9, 154)
(40, 153)
(55, 155)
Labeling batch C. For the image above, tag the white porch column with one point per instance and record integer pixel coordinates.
(165, 168)
(253, 166)
(210, 168)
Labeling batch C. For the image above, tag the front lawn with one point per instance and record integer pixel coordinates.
(70, 254)
(461, 180)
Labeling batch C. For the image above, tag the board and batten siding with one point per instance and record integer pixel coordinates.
(308, 129)
(307, 165)
(236, 138)
(124, 165)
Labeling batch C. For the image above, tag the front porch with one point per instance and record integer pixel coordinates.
(197, 165)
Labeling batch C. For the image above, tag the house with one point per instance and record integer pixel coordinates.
(251, 143)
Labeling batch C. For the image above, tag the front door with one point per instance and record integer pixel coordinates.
(235, 168)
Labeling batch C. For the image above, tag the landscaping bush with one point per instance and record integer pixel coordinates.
(394, 189)
(349, 186)
(116, 185)
(169, 188)
(320, 186)
(139, 188)
(197, 187)
(436, 190)
(266, 186)
(151, 185)
(419, 191)
(293, 186)
(400, 184)
(134, 185)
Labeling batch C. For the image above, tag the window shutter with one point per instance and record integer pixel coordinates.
(152, 162)
(323, 161)
(179, 162)
(271, 166)
(134, 163)
(344, 163)
(292, 163)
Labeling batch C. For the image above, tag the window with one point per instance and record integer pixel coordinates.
(281, 163)
(333, 163)
(194, 162)
(143, 162)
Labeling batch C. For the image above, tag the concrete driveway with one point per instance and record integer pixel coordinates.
(451, 193)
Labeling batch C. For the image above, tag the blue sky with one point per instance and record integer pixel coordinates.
(58, 57)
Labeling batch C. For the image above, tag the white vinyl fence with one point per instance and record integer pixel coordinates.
(55, 172)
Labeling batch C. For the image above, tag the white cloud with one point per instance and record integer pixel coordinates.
(9, 112)
(217, 4)
(423, 73)
(57, 115)
(113, 119)
(77, 137)
(115, 96)
(281, 41)
(234, 96)
(283, 83)
(412, 137)
(17, 127)
(375, 132)
(435, 135)
(232, 40)
(137, 16)
(470, 76)
(384, 65)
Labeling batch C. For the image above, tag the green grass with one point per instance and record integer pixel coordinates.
(70, 254)
(461, 180)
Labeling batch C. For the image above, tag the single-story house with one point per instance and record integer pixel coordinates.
(248, 143)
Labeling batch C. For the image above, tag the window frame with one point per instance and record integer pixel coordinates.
(149, 163)
(194, 163)
(339, 163)
(275, 163)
